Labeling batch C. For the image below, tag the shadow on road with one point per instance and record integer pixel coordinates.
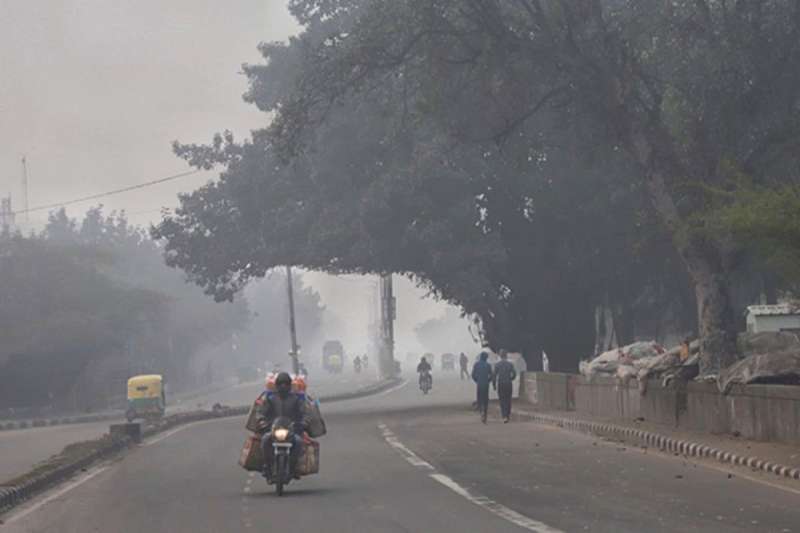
(268, 491)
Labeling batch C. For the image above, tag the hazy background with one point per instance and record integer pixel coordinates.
(93, 92)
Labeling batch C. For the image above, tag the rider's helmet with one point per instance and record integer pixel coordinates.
(422, 360)
(283, 384)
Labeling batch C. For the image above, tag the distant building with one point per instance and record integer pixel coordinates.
(766, 318)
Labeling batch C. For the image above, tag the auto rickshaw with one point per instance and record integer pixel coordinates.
(146, 398)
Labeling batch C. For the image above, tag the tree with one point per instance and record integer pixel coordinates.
(59, 315)
(767, 221)
(687, 90)
(529, 234)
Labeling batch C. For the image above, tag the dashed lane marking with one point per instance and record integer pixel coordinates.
(407, 454)
(490, 505)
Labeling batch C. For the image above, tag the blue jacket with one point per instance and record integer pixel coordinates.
(482, 373)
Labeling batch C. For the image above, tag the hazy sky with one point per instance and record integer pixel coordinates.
(93, 92)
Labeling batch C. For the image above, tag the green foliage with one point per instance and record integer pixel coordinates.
(528, 235)
(767, 220)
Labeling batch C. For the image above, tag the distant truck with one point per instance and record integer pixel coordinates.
(333, 357)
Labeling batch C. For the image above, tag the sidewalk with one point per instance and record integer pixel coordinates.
(778, 459)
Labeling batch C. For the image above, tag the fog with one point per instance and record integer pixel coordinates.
(94, 92)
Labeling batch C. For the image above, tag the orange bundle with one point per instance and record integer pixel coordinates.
(298, 383)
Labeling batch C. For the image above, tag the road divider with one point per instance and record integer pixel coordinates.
(78, 457)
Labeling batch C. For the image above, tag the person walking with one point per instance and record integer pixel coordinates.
(482, 375)
(503, 381)
(463, 361)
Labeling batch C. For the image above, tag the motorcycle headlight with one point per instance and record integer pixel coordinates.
(281, 434)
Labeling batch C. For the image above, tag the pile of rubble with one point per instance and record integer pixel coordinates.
(767, 358)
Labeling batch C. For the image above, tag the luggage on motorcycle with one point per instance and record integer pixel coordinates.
(252, 416)
(315, 425)
(298, 383)
(314, 419)
(308, 462)
(252, 457)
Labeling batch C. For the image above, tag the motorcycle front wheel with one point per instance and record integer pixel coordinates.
(280, 475)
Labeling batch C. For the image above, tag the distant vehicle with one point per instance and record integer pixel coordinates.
(333, 357)
(449, 361)
(146, 397)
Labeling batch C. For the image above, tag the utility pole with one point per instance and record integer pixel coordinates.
(294, 354)
(388, 313)
(25, 205)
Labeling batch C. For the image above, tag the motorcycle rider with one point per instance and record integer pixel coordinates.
(424, 369)
(357, 364)
(282, 404)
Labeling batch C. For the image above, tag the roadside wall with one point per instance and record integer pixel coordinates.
(550, 390)
(757, 412)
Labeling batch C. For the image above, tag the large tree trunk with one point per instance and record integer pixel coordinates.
(716, 322)
(706, 266)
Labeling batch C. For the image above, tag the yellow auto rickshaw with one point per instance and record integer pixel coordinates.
(146, 398)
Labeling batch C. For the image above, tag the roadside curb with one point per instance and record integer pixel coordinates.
(662, 442)
(12, 496)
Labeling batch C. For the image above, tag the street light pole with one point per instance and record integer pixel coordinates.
(292, 328)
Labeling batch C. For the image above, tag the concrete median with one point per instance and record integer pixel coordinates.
(78, 456)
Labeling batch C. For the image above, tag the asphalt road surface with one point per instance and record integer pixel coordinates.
(22, 449)
(401, 462)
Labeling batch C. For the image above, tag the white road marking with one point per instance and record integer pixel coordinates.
(407, 454)
(168, 434)
(57, 494)
(492, 506)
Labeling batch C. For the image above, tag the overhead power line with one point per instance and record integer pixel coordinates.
(108, 193)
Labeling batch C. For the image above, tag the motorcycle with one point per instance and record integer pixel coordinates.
(357, 366)
(425, 382)
(282, 441)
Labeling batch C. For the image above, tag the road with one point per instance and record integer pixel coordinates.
(402, 462)
(22, 449)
